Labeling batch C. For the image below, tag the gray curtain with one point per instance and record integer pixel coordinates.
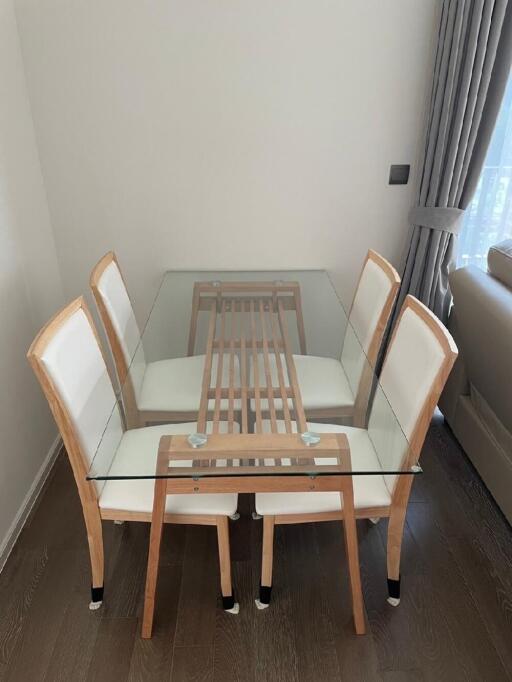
(472, 65)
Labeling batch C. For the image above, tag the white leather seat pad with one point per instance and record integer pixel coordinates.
(175, 385)
(369, 491)
(323, 383)
(137, 494)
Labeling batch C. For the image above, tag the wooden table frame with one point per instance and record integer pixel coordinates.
(205, 292)
(260, 307)
(232, 478)
(248, 320)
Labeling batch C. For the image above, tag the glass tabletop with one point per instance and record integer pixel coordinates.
(250, 373)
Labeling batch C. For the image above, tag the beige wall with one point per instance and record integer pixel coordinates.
(228, 134)
(30, 287)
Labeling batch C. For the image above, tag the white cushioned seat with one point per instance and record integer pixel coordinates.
(137, 494)
(175, 385)
(369, 491)
(328, 383)
(171, 385)
(323, 383)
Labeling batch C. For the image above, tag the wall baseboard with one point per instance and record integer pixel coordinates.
(28, 503)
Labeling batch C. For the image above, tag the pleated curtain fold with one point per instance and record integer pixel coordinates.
(472, 65)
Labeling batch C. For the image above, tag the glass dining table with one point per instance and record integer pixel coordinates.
(285, 396)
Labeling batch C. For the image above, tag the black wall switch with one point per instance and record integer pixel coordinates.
(399, 174)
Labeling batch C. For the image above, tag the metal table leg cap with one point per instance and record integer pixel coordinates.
(393, 601)
(260, 605)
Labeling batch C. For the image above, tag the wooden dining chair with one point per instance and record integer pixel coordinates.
(417, 364)
(163, 391)
(340, 388)
(68, 362)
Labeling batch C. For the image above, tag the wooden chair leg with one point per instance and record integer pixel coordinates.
(394, 547)
(95, 540)
(267, 556)
(157, 522)
(228, 599)
(352, 551)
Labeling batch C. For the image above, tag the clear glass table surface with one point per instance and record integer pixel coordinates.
(250, 373)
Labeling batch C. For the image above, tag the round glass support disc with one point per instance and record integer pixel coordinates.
(310, 438)
(197, 440)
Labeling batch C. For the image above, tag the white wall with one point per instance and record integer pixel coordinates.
(30, 286)
(228, 134)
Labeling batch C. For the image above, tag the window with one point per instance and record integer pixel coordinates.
(488, 217)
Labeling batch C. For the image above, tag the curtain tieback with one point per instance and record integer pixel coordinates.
(445, 219)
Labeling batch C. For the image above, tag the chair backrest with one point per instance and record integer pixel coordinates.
(68, 362)
(417, 364)
(116, 311)
(369, 315)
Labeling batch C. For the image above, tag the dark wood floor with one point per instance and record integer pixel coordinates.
(454, 622)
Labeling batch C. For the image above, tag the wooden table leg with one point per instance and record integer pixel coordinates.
(157, 522)
(352, 550)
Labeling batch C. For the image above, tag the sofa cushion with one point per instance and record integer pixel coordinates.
(499, 262)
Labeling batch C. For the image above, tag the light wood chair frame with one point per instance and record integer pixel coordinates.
(358, 411)
(134, 417)
(93, 514)
(396, 511)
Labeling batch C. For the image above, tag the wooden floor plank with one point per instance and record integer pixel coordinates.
(492, 596)
(444, 594)
(200, 587)
(73, 649)
(57, 521)
(34, 649)
(240, 531)
(18, 583)
(479, 536)
(313, 629)
(193, 664)
(236, 633)
(113, 649)
(276, 655)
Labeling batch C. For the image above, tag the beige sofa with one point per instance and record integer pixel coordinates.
(477, 400)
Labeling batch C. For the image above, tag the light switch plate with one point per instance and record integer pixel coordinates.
(399, 174)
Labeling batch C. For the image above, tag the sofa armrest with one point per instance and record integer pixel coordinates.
(457, 383)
